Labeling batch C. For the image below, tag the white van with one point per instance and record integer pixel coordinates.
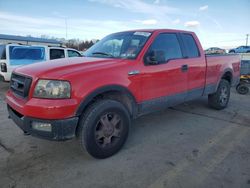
(15, 55)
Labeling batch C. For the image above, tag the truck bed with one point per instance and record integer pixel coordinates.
(217, 65)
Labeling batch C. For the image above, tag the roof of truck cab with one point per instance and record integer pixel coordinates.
(159, 30)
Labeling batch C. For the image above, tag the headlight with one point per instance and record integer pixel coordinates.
(52, 89)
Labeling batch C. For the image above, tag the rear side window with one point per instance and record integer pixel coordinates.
(190, 46)
(57, 53)
(169, 44)
(72, 53)
(2, 52)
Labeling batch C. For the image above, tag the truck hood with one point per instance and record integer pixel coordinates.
(58, 68)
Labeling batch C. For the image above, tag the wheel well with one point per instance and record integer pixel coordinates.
(228, 76)
(120, 94)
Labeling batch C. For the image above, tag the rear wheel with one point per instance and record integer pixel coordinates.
(220, 98)
(104, 128)
(231, 51)
(242, 89)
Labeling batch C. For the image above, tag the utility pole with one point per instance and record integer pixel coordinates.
(247, 40)
(66, 28)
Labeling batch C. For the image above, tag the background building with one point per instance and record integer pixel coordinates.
(5, 39)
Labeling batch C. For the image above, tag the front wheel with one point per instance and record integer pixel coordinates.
(220, 98)
(104, 128)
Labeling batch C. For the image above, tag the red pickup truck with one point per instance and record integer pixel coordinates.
(123, 76)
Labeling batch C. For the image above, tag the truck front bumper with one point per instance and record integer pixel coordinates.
(59, 130)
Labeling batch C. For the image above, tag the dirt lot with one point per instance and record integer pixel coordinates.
(186, 146)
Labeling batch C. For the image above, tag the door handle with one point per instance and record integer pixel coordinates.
(184, 68)
(133, 72)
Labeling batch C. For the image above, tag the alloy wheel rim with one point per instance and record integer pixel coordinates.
(108, 130)
(223, 95)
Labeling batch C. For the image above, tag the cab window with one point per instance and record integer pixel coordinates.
(190, 46)
(57, 53)
(2, 52)
(167, 45)
(24, 55)
(72, 53)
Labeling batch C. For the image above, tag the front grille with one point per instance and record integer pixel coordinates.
(20, 85)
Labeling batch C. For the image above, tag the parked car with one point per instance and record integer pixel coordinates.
(122, 77)
(215, 50)
(15, 55)
(240, 49)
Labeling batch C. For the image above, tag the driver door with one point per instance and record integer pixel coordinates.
(164, 83)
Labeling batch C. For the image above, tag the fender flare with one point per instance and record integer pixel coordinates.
(109, 88)
(222, 74)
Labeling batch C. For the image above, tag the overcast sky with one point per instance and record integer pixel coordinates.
(217, 23)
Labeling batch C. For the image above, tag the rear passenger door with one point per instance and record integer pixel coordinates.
(196, 66)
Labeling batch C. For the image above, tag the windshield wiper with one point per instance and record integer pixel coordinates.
(102, 53)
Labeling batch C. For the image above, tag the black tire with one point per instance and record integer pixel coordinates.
(104, 128)
(231, 51)
(242, 89)
(220, 98)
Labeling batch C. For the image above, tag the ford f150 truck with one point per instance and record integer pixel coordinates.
(123, 76)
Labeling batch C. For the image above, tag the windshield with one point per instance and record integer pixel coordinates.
(2, 52)
(119, 45)
(24, 55)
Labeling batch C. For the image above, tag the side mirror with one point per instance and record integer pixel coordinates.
(155, 57)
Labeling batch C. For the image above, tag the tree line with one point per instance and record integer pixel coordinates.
(77, 44)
